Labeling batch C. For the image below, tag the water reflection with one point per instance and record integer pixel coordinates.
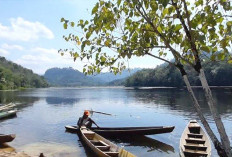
(8, 118)
(179, 100)
(58, 101)
(6, 147)
(14, 96)
(143, 141)
(44, 113)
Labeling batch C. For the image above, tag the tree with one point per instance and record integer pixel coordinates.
(186, 29)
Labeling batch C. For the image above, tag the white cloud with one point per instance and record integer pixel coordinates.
(22, 30)
(45, 59)
(3, 52)
(11, 47)
(44, 50)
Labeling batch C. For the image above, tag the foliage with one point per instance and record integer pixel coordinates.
(13, 76)
(135, 28)
(217, 74)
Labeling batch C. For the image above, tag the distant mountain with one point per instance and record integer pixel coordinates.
(13, 76)
(71, 77)
(109, 77)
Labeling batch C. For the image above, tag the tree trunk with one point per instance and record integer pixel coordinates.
(212, 136)
(212, 105)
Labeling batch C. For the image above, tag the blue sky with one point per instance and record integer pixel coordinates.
(31, 33)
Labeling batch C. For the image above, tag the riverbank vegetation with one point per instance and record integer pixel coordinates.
(14, 76)
(217, 74)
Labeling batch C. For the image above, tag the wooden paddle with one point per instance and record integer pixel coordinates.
(101, 112)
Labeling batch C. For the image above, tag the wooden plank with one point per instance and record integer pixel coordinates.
(103, 148)
(192, 135)
(194, 125)
(195, 152)
(195, 147)
(8, 106)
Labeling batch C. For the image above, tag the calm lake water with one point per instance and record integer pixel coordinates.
(43, 113)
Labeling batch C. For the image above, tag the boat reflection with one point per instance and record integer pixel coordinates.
(143, 141)
(6, 147)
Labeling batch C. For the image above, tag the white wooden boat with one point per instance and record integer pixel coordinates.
(101, 146)
(7, 114)
(194, 141)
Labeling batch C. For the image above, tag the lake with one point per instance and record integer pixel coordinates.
(43, 113)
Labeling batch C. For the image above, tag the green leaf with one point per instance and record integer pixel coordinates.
(118, 2)
(205, 48)
(72, 24)
(164, 2)
(88, 34)
(165, 12)
(62, 19)
(221, 56)
(159, 29)
(65, 25)
(95, 9)
(178, 27)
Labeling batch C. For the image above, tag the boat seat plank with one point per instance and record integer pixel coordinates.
(195, 153)
(94, 141)
(192, 135)
(112, 153)
(103, 148)
(195, 144)
(195, 147)
(103, 143)
(193, 140)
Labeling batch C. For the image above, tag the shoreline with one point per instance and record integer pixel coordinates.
(13, 154)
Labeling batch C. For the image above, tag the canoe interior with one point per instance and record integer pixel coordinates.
(194, 141)
(101, 146)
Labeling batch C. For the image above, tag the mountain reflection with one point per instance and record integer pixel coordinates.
(60, 100)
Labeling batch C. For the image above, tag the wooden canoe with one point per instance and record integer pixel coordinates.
(194, 141)
(101, 146)
(7, 107)
(6, 114)
(120, 131)
(6, 138)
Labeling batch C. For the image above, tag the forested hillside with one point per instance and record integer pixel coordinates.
(13, 76)
(217, 74)
(71, 77)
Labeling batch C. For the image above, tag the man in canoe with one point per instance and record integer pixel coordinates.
(85, 120)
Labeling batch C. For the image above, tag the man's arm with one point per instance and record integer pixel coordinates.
(94, 123)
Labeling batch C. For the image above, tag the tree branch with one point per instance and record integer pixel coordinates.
(187, 31)
(227, 15)
(188, 17)
(160, 58)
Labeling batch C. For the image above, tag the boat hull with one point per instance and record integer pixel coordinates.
(194, 141)
(7, 114)
(121, 131)
(101, 146)
(6, 138)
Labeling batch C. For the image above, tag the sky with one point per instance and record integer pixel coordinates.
(31, 33)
